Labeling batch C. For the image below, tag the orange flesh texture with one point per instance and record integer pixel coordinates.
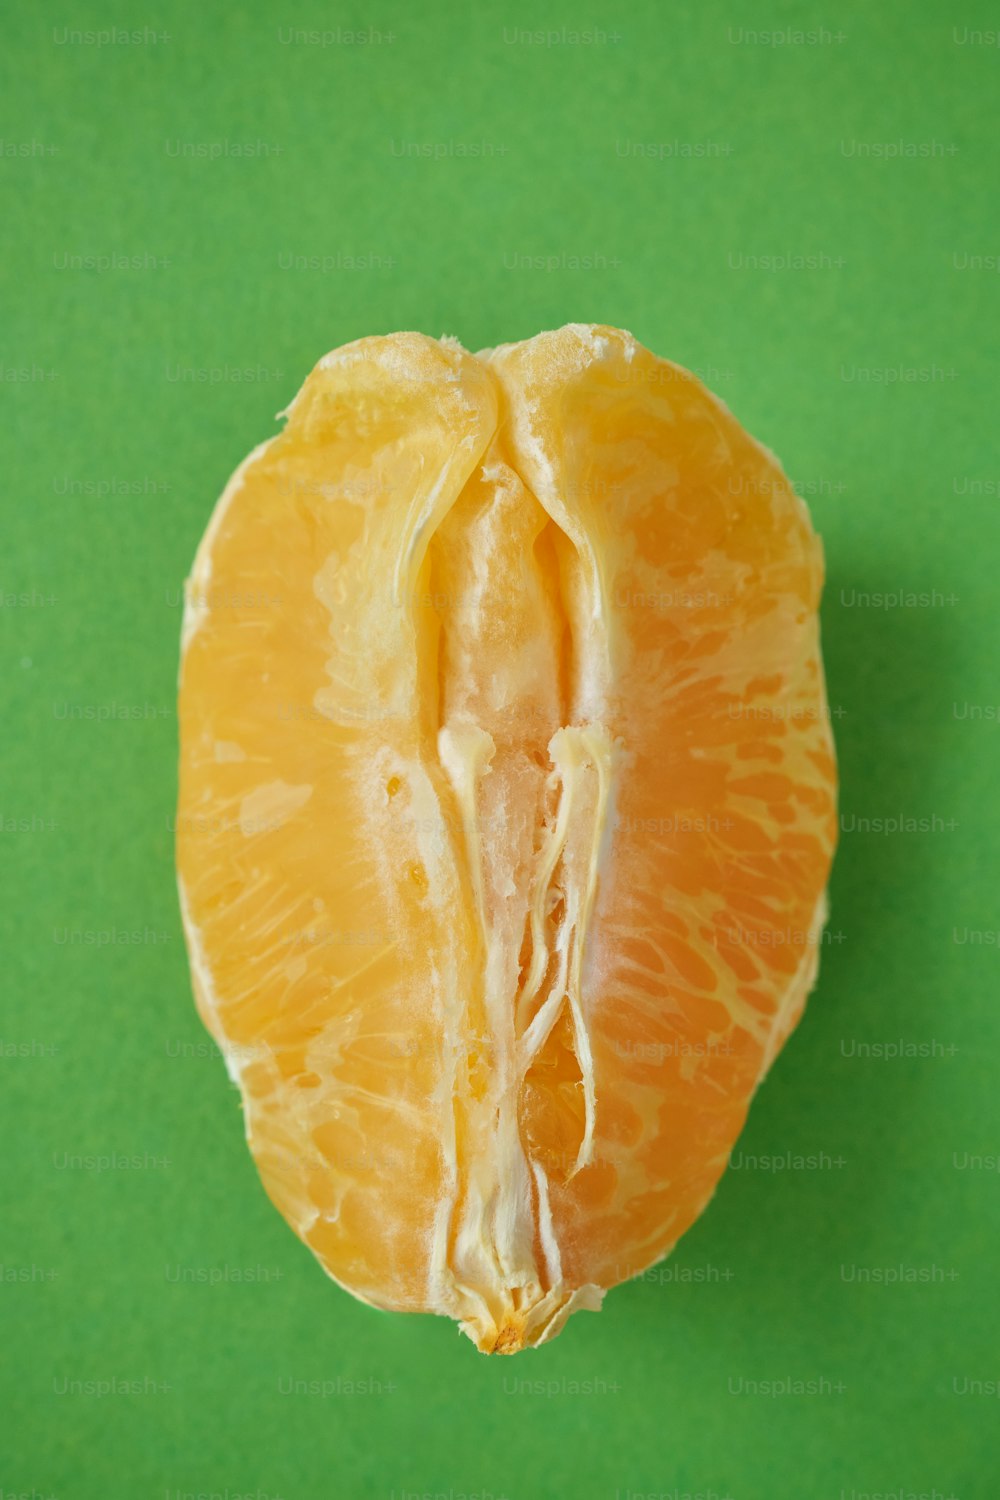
(507, 807)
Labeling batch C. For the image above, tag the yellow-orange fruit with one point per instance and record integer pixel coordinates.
(507, 805)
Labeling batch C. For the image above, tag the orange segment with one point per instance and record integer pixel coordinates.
(696, 644)
(311, 829)
(506, 812)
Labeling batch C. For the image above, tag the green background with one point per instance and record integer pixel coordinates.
(671, 156)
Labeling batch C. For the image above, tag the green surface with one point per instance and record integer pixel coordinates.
(670, 152)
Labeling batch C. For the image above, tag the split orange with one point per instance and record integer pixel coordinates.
(507, 806)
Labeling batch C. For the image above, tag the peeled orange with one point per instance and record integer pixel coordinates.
(507, 806)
